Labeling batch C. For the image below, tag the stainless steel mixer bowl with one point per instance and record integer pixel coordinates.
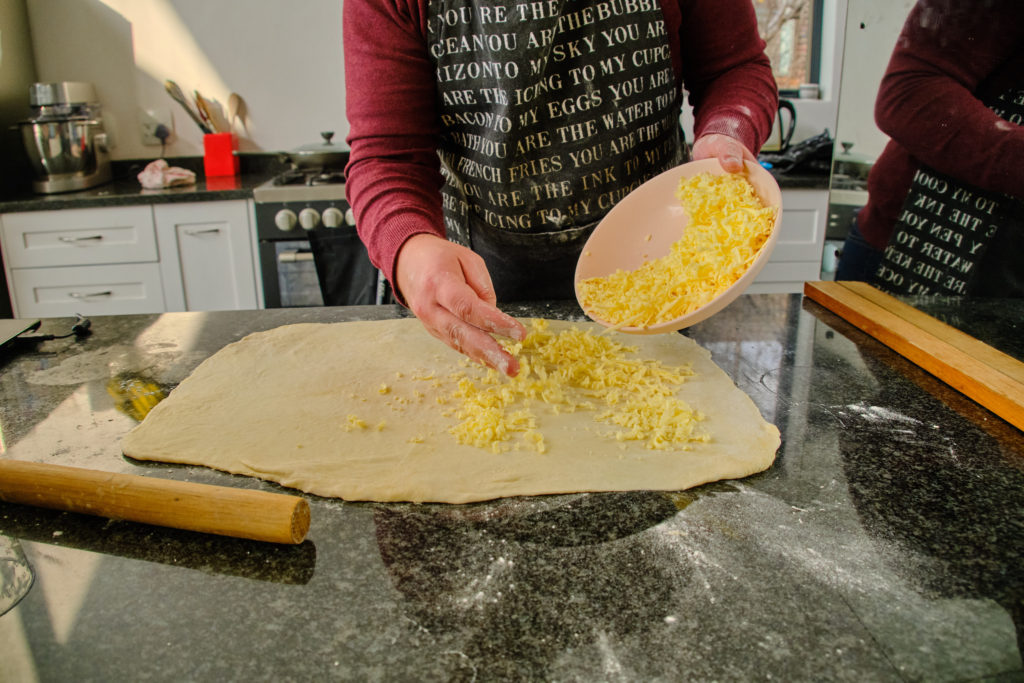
(66, 154)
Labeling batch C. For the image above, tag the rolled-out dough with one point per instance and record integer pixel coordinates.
(361, 411)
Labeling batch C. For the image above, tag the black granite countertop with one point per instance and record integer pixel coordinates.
(801, 181)
(886, 543)
(125, 189)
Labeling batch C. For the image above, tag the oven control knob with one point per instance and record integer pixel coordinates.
(309, 218)
(333, 217)
(350, 216)
(285, 219)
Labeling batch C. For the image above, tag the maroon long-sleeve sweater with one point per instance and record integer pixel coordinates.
(393, 175)
(949, 58)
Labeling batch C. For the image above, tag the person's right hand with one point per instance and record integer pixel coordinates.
(449, 289)
(730, 152)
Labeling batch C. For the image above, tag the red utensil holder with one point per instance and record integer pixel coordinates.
(219, 154)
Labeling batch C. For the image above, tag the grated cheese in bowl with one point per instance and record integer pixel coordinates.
(574, 370)
(728, 227)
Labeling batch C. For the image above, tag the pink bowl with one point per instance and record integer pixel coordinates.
(619, 240)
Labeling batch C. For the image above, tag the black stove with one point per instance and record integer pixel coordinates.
(297, 177)
(310, 252)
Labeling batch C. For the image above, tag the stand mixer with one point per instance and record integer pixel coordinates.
(64, 138)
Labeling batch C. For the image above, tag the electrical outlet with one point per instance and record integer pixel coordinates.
(156, 126)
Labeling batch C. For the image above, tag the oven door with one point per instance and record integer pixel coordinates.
(289, 274)
(347, 278)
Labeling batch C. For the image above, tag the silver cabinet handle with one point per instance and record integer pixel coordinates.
(73, 240)
(89, 295)
(294, 256)
(206, 231)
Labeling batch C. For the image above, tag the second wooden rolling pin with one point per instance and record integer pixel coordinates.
(242, 513)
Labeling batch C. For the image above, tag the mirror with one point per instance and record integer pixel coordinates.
(872, 28)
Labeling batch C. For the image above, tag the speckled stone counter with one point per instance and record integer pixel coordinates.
(885, 543)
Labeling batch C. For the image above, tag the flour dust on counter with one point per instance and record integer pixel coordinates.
(380, 410)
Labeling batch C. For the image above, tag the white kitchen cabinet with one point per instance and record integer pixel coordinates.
(797, 255)
(76, 237)
(206, 257)
(86, 290)
(91, 261)
(194, 256)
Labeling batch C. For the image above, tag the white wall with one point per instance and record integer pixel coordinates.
(871, 30)
(283, 57)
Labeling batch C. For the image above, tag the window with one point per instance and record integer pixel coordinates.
(792, 30)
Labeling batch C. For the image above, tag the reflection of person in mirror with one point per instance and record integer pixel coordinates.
(945, 210)
(487, 140)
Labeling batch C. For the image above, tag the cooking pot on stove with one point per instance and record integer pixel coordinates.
(323, 156)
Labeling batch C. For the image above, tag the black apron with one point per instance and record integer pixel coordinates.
(551, 113)
(954, 239)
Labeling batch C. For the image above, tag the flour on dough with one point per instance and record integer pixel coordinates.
(362, 411)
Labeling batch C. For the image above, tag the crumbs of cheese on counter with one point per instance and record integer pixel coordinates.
(728, 226)
(575, 370)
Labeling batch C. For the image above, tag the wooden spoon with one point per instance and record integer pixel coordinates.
(234, 107)
(176, 93)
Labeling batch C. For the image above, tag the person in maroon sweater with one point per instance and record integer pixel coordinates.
(951, 102)
(489, 137)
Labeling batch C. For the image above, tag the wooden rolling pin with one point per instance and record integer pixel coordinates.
(242, 513)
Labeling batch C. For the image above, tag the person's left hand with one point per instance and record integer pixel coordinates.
(730, 152)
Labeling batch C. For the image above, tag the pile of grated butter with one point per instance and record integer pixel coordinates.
(575, 370)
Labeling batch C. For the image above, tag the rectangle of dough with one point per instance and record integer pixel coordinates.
(361, 411)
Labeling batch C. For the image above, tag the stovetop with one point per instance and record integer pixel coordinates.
(317, 177)
(301, 186)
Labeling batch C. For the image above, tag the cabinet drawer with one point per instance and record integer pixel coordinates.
(89, 290)
(79, 237)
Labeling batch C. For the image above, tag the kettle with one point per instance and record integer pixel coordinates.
(785, 120)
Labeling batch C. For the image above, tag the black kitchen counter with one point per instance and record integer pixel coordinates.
(256, 169)
(125, 190)
(801, 181)
(886, 543)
